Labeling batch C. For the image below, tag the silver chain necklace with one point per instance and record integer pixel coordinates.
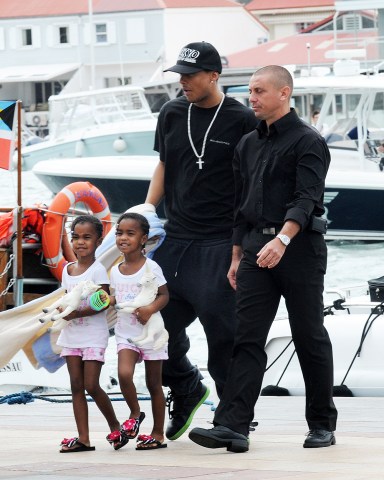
(200, 161)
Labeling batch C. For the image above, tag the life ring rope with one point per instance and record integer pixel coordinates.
(53, 228)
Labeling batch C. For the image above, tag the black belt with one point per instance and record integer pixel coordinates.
(267, 230)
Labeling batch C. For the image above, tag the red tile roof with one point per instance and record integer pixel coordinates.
(281, 4)
(293, 50)
(46, 8)
(199, 3)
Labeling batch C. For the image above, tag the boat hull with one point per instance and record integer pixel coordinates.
(352, 199)
(19, 375)
(124, 181)
(366, 376)
(100, 143)
(352, 202)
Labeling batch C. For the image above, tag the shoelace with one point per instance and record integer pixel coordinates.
(178, 402)
(168, 402)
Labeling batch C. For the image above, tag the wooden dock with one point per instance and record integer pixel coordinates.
(30, 435)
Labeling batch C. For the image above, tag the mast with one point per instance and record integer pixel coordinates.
(19, 247)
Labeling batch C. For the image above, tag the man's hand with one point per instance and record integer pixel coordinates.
(270, 255)
(237, 253)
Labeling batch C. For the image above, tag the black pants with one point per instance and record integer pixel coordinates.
(196, 274)
(299, 277)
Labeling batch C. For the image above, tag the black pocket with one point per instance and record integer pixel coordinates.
(318, 224)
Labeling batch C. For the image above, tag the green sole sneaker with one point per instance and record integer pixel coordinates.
(186, 422)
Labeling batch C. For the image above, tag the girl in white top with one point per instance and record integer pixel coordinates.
(85, 338)
(131, 235)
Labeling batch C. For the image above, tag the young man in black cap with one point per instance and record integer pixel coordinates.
(196, 136)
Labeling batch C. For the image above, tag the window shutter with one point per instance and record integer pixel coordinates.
(15, 37)
(51, 31)
(111, 32)
(2, 42)
(87, 34)
(352, 22)
(36, 37)
(73, 34)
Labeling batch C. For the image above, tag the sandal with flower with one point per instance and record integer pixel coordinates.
(130, 428)
(117, 440)
(72, 445)
(147, 442)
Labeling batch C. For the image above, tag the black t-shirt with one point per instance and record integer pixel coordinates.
(199, 202)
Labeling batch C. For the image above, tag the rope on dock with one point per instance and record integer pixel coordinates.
(28, 397)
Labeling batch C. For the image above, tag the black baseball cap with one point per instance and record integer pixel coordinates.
(195, 57)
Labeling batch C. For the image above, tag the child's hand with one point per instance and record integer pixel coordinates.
(71, 316)
(143, 314)
(104, 296)
(68, 317)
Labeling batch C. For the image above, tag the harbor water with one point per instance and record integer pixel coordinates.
(350, 263)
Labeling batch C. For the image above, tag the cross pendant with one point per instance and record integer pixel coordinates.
(200, 162)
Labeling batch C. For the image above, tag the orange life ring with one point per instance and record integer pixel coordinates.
(53, 226)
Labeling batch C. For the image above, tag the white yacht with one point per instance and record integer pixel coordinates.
(109, 121)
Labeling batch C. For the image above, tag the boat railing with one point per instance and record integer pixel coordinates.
(379, 66)
(371, 45)
(348, 291)
(352, 297)
(69, 114)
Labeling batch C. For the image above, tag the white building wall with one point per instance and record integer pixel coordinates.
(284, 30)
(132, 50)
(230, 30)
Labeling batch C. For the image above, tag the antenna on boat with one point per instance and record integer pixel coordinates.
(91, 44)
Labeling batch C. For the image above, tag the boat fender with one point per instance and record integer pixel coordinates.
(53, 226)
(119, 145)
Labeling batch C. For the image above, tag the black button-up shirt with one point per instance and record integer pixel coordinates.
(279, 175)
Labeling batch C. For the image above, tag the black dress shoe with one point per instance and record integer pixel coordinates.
(317, 438)
(220, 437)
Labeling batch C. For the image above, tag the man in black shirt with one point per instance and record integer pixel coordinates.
(196, 136)
(280, 171)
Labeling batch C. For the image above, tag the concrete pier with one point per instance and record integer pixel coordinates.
(30, 436)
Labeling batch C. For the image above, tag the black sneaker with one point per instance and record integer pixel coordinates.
(184, 408)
